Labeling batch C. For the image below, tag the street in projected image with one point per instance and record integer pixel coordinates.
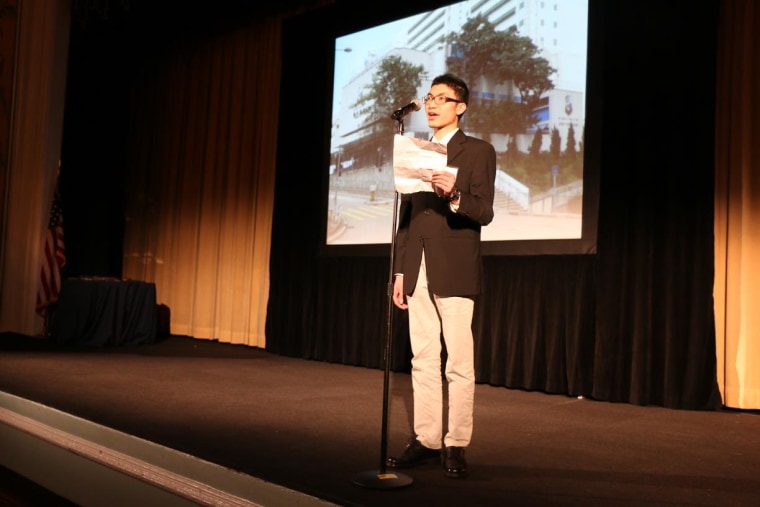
(363, 214)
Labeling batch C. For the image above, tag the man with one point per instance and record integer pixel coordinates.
(438, 267)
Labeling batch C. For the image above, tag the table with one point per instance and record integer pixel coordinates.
(104, 312)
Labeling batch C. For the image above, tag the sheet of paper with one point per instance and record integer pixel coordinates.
(414, 161)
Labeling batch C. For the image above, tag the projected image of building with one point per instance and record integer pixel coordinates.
(525, 62)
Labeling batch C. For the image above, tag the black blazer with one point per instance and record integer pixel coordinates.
(451, 240)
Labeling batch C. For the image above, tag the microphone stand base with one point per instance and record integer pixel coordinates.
(377, 479)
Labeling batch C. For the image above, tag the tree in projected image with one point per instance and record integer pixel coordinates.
(481, 54)
(509, 63)
(394, 78)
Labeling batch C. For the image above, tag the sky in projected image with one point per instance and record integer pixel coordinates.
(539, 186)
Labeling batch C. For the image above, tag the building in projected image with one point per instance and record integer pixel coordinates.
(361, 149)
(558, 28)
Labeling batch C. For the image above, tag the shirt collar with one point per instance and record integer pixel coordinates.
(446, 138)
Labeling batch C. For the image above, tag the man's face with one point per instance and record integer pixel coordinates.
(443, 116)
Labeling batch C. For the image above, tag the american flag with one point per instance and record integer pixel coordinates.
(53, 256)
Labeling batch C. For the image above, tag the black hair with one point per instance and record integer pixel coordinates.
(456, 84)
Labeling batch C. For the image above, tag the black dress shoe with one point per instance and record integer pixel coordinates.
(414, 454)
(454, 464)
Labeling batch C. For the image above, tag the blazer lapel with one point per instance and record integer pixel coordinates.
(454, 147)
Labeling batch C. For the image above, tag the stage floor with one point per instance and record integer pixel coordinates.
(314, 427)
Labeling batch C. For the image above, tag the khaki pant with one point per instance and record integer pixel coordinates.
(428, 315)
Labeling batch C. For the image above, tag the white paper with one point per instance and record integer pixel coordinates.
(414, 161)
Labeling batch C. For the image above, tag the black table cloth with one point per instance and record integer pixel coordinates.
(100, 312)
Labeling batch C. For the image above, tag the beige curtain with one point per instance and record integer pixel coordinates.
(201, 192)
(737, 205)
(201, 189)
(36, 98)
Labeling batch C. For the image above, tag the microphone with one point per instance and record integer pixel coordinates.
(414, 105)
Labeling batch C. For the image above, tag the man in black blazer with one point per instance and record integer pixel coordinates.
(438, 267)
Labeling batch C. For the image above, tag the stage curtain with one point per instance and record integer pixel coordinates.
(630, 323)
(34, 50)
(737, 205)
(634, 322)
(200, 187)
(655, 333)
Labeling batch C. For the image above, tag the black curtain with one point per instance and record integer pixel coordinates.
(654, 335)
(632, 322)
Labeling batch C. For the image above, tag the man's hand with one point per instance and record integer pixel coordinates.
(398, 292)
(443, 182)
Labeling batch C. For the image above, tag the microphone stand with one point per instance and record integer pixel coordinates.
(380, 479)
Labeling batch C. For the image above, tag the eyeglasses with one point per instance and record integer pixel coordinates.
(439, 99)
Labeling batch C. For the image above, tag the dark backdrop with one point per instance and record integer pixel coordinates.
(630, 323)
